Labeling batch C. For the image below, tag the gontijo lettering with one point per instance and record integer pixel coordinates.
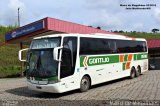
(98, 60)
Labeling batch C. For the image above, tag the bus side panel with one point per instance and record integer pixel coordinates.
(142, 63)
(98, 74)
(91, 72)
(104, 73)
(119, 72)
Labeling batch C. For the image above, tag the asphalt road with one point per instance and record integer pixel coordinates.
(14, 92)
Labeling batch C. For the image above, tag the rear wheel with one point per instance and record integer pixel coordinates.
(133, 73)
(138, 71)
(85, 84)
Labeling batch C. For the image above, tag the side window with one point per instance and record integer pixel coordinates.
(102, 46)
(121, 46)
(144, 47)
(125, 46)
(112, 46)
(91, 46)
(69, 53)
(137, 47)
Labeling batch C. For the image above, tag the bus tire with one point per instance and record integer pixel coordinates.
(138, 71)
(85, 84)
(133, 73)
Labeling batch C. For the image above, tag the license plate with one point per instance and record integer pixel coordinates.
(39, 82)
(43, 82)
(34, 81)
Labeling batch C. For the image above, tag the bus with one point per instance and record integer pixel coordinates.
(63, 62)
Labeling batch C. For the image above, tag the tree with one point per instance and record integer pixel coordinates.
(90, 26)
(134, 32)
(98, 27)
(155, 30)
(121, 31)
(116, 31)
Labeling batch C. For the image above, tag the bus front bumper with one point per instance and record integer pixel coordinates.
(52, 88)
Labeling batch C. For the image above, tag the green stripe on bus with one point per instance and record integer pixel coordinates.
(125, 57)
(124, 66)
(82, 60)
(99, 60)
(135, 56)
(140, 56)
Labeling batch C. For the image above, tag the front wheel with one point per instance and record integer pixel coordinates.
(85, 84)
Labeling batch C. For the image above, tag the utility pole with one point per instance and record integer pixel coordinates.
(21, 44)
(18, 18)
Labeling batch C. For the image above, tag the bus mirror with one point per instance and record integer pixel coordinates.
(55, 53)
(20, 54)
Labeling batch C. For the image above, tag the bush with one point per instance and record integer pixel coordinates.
(9, 71)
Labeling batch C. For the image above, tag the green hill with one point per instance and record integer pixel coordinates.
(10, 65)
(142, 35)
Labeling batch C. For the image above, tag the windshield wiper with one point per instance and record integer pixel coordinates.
(36, 64)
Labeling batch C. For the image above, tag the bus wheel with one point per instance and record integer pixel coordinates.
(85, 84)
(138, 71)
(133, 73)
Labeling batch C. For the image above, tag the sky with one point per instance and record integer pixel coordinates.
(107, 14)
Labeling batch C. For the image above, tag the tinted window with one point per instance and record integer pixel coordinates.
(91, 46)
(127, 46)
(96, 46)
(112, 45)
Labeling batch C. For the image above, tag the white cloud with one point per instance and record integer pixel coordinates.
(118, 18)
(10, 14)
(109, 6)
(138, 25)
(14, 4)
(106, 21)
(104, 13)
(157, 14)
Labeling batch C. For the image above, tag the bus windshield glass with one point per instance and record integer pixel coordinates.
(45, 43)
(40, 58)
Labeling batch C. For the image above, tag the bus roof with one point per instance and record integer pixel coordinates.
(94, 35)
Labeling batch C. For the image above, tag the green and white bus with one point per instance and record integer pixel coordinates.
(63, 62)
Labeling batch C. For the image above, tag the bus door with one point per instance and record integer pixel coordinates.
(68, 63)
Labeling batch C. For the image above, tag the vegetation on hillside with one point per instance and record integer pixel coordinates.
(9, 64)
(142, 35)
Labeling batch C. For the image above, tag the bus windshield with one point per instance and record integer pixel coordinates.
(45, 43)
(40, 58)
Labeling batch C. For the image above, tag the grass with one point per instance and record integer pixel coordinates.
(9, 71)
(9, 63)
(142, 35)
(3, 30)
